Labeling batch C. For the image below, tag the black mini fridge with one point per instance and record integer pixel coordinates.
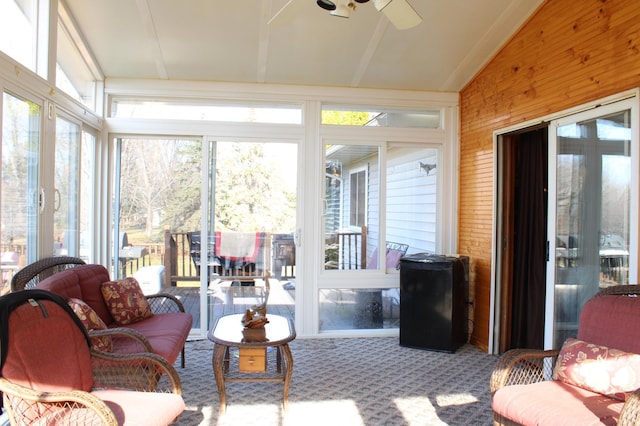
(434, 301)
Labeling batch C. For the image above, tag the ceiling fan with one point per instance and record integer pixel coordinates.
(399, 12)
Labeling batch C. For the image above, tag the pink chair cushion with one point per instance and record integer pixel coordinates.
(598, 368)
(82, 282)
(142, 408)
(553, 402)
(126, 301)
(33, 339)
(612, 321)
(393, 258)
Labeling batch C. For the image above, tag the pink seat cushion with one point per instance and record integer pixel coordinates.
(142, 408)
(166, 333)
(555, 403)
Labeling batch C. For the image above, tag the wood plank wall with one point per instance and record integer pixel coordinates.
(568, 53)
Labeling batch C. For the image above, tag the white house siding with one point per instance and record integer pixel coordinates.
(411, 199)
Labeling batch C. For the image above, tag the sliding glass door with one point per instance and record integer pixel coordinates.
(594, 239)
(210, 221)
(21, 194)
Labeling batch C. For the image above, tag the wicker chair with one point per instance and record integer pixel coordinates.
(32, 274)
(601, 323)
(51, 375)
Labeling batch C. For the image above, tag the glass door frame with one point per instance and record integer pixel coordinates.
(627, 104)
(383, 139)
(208, 143)
(35, 233)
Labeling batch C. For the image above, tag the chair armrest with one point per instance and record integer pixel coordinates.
(140, 372)
(132, 340)
(164, 303)
(54, 407)
(630, 414)
(523, 366)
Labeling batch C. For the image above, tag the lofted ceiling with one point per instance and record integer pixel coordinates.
(234, 41)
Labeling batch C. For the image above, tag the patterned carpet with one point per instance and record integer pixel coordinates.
(351, 381)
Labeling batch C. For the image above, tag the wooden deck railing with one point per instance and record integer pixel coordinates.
(182, 259)
(346, 249)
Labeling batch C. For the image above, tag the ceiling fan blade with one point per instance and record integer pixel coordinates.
(286, 13)
(401, 14)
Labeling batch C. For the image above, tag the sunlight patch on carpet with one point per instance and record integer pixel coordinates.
(335, 412)
(455, 399)
(418, 408)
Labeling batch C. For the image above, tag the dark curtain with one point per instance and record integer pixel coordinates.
(530, 240)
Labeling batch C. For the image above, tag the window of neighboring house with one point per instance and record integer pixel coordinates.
(358, 198)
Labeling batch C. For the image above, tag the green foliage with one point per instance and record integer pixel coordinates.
(161, 187)
(349, 118)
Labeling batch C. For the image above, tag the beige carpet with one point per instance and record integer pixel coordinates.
(351, 381)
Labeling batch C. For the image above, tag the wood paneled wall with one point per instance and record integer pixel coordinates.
(568, 53)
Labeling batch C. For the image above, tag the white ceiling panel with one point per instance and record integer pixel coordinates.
(233, 41)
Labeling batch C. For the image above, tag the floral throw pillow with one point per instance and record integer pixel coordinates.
(91, 321)
(598, 368)
(125, 301)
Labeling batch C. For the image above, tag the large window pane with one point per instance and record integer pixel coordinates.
(18, 30)
(20, 188)
(350, 309)
(381, 117)
(355, 238)
(251, 193)
(87, 176)
(593, 169)
(351, 199)
(66, 184)
(204, 110)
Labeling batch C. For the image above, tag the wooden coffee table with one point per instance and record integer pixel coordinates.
(227, 333)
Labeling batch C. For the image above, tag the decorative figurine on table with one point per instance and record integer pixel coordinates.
(254, 319)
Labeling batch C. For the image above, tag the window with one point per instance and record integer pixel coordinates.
(21, 195)
(205, 111)
(383, 117)
(358, 195)
(19, 31)
(66, 181)
(76, 73)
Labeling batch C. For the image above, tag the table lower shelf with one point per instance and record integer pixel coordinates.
(226, 368)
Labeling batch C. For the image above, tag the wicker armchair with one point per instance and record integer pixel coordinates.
(126, 340)
(51, 375)
(32, 274)
(601, 323)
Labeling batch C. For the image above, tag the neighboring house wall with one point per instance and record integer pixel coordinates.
(411, 199)
(568, 53)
